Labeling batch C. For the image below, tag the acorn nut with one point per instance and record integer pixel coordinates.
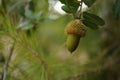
(74, 30)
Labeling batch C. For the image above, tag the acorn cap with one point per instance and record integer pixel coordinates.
(76, 27)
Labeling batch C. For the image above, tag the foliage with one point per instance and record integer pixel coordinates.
(70, 6)
(92, 21)
(89, 19)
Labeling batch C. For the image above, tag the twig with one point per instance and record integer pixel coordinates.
(6, 65)
(81, 2)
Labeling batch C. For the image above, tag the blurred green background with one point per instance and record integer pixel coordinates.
(32, 36)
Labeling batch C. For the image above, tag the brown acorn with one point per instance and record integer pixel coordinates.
(74, 30)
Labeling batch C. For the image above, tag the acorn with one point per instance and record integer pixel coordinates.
(74, 30)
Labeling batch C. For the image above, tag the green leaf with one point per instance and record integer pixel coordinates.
(25, 25)
(116, 9)
(89, 2)
(29, 14)
(39, 15)
(93, 18)
(71, 6)
(90, 24)
(66, 9)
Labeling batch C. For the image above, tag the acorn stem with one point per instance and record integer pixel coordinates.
(72, 42)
